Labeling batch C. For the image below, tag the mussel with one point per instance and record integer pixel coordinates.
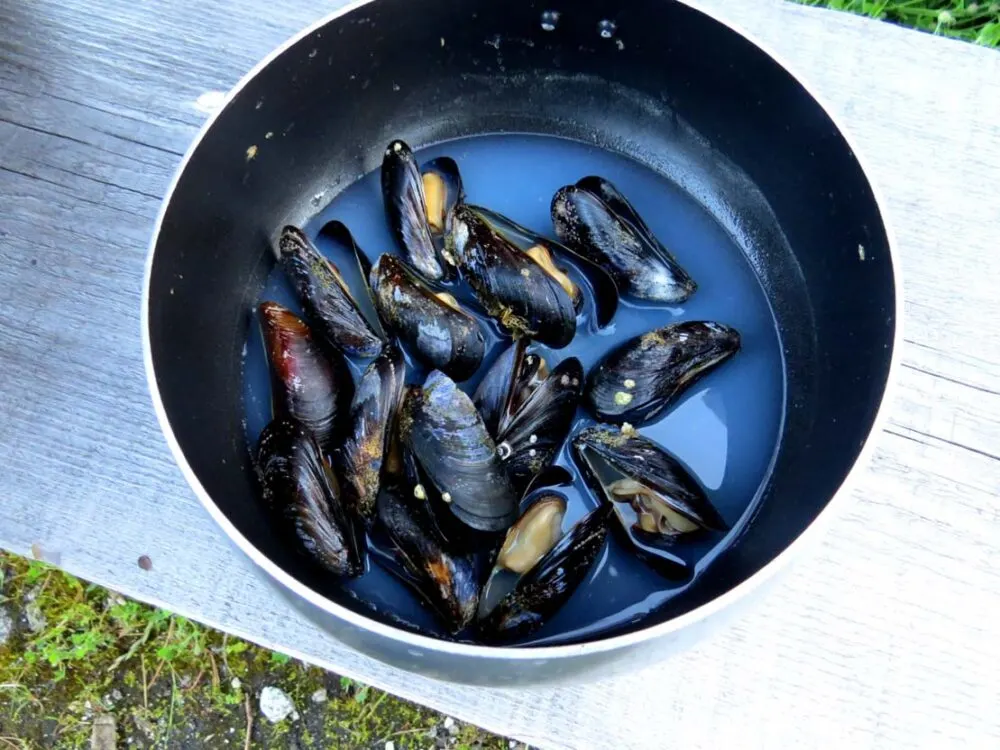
(441, 426)
(638, 380)
(655, 498)
(372, 420)
(528, 409)
(545, 252)
(533, 535)
(550, 581)
(302, 492)
(596, 221)
(325, 296)
(442, 184)
(448, 581)
(433, 326)
(418, 207)
(522, 294)
(307, 384)
(527, 541)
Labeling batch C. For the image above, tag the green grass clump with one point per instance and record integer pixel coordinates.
(170, 682)
(971, 20)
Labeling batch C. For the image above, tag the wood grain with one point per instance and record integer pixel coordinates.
(883, 637)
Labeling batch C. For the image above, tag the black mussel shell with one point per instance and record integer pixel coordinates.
(607, 192)
(550, 582)
(528, 409)
(449, 582)
(337, 233)
(372, 420)
(405, 467)
(512, 377)
(512, 287)
(325, 297)
(603, 290)
(406, 210)
(441, 426)
(301, 491)
(442, 185)
(607, 235)
(433, 327)
(638, 380)
(656, 500)
(307, 384)
(530, 438)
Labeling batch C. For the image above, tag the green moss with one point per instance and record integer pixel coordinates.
(972, 21)
(171, 682)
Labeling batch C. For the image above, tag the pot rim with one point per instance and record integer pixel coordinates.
(810, 534)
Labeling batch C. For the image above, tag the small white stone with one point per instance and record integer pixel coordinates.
(319, 696)
(448, 722)
(446, 496)
(235, 683)
(6, 626)
(390, 745)
(276, 705)
(34, 617)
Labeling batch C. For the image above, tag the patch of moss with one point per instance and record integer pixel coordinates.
(170, 682)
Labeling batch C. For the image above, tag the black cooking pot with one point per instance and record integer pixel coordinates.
(741, 149)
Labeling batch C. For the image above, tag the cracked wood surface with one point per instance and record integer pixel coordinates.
(883, 637)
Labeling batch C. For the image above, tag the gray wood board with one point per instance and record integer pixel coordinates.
(884, 636)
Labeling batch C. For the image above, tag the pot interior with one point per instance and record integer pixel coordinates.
(726, 155)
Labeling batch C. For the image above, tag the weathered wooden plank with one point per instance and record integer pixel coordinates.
(881, 638)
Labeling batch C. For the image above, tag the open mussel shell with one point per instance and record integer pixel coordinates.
(307, 384)
(448, 581)
(495, 391)
(513, 288)
(442, 185)
(372, 419)
(656, 499)
(550, 582)
(302, 492)
(533, 535)
(406, 210)
(432, 326)
(638, 380)
(528, 409)
(325, 296)
(527, 541)
(530, 438)
(580, 271)
(616, 239)
(441, 426)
